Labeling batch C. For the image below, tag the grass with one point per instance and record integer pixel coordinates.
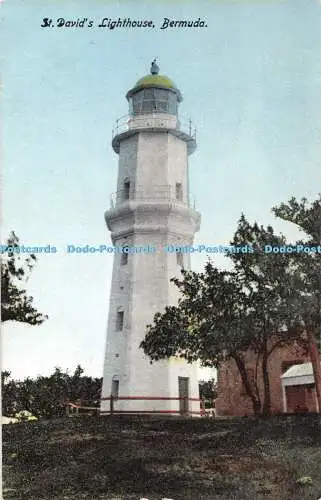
(127, 458)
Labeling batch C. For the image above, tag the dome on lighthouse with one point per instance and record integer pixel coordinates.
(156, 81)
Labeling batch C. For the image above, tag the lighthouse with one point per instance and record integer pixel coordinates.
(152, 215)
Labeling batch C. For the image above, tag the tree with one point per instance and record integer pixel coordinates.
(269, 285)
(307, 279)
(46, 397)
(223, 314)
(9, 394)
(208, 390)
(16, 305)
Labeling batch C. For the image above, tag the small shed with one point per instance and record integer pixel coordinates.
(298, 389)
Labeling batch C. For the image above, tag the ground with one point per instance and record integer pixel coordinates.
(128, 458)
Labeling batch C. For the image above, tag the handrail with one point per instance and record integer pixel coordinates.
(112, 399)
(182, 123)
(164, 193)
(149, 398)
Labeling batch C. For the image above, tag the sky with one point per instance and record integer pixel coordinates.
(251, 84)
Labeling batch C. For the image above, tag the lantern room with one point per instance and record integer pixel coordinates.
(154, 93)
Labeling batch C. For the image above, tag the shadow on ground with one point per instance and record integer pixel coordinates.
(126, 458)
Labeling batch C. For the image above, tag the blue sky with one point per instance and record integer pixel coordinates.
(251, 83)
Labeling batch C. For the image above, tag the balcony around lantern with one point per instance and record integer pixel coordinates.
(163, 194)
(156, 122)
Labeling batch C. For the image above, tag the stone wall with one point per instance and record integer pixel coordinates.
(232, 399)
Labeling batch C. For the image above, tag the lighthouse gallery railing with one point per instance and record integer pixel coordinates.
(164, 193)
(182, 123)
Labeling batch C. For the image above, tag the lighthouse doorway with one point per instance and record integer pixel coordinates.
(183, 392)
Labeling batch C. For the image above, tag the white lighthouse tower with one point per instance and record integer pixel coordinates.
(152, 207)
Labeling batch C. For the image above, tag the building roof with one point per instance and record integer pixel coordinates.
(301, 370)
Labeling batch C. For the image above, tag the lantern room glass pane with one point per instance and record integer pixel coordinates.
(154, 100)
(137, 103)
(172, 103)
(162, 94)
(162, 107)
(148, 107)
(149, 93)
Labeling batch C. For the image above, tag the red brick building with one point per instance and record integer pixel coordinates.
(298, 395)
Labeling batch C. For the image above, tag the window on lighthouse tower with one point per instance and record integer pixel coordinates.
(124, 258)
(126, 191)
(180, 259)
(120, 321)
(179, 191)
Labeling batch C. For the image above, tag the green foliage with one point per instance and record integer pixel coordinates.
(304, 480)
(307, 278)
(45, 397)
(198, 328)
(263, 303)
(208, 390)
(221, 313)
(9, 394)
(306, 216)
(24, 416)
(267, 280)
(15, 269)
